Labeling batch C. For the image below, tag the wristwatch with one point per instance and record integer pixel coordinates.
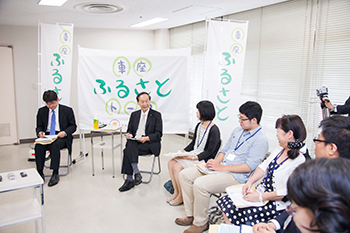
(260, 198)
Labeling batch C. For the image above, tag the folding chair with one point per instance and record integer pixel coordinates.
(69, 163)
(151, 172)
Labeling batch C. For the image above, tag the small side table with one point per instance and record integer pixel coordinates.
(22, 211)
(106, 145)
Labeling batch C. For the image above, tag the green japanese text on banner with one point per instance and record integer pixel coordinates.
(224, 62)
(56, 59)
(109, 81)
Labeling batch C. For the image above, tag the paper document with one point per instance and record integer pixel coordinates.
(109, 128)
(180, 153)
(203, 169)
(48, 139)
(228, 228)
(246, 229)
(236, 196)
(130, 138)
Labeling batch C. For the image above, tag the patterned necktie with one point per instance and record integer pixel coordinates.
(53, 123)
(141, 128)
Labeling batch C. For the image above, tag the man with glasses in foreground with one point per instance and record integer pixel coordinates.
(332, 142)
(53, 119)
(245, 149)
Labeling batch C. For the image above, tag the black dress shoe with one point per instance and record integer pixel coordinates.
(126, 186)
(54, 180)
(137, 179)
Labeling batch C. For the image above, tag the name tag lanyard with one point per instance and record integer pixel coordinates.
(203, 135)
(277, 157)
(236, 148)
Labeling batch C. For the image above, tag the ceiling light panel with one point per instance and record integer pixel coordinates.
(149, 22)
(51, 2)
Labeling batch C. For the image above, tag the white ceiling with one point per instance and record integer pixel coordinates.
(179, 12)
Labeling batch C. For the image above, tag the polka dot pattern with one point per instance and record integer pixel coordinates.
(253, 215)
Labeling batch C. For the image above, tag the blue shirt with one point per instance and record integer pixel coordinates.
(247, 150)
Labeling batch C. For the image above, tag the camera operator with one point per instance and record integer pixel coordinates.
(337, 109)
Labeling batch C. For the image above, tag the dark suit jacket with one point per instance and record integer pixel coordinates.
(343, 109)
(211, 147)
(66, 121)
(153, 129)
(291, 228)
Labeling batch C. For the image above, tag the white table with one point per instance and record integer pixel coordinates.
(22, 211)
(106, 145)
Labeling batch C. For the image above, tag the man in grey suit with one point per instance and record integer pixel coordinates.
(53, 119)
(145, 130)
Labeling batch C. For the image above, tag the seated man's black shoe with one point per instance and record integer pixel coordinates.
(137, 179)
(126, 186)
(54, 180)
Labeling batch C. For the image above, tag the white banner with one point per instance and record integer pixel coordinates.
(56, 59)
(224, 62)
(109, 81)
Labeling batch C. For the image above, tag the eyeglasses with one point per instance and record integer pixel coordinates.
(242, 119)
(49, 104)
(319, 140)
(290, 210)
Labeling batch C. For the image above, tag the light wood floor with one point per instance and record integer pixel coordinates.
(88, 204)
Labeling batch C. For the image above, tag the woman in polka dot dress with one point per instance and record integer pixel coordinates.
(275, 171)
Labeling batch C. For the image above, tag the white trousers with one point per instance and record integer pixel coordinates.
(196, 190)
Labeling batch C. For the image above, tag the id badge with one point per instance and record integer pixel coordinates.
(231, 157)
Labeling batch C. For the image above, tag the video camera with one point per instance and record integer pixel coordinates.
(322, 92)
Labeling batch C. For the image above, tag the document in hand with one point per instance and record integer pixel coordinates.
(130, 138)
(180, 153)
(48, 139)
(235, 193)
(246, 229)
(203, 169)
(228, 228)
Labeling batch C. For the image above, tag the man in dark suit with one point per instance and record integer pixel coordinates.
(145, 130)
(53, 119)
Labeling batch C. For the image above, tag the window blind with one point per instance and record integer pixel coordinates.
(293, 48)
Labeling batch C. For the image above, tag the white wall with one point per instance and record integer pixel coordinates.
(25, 42)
